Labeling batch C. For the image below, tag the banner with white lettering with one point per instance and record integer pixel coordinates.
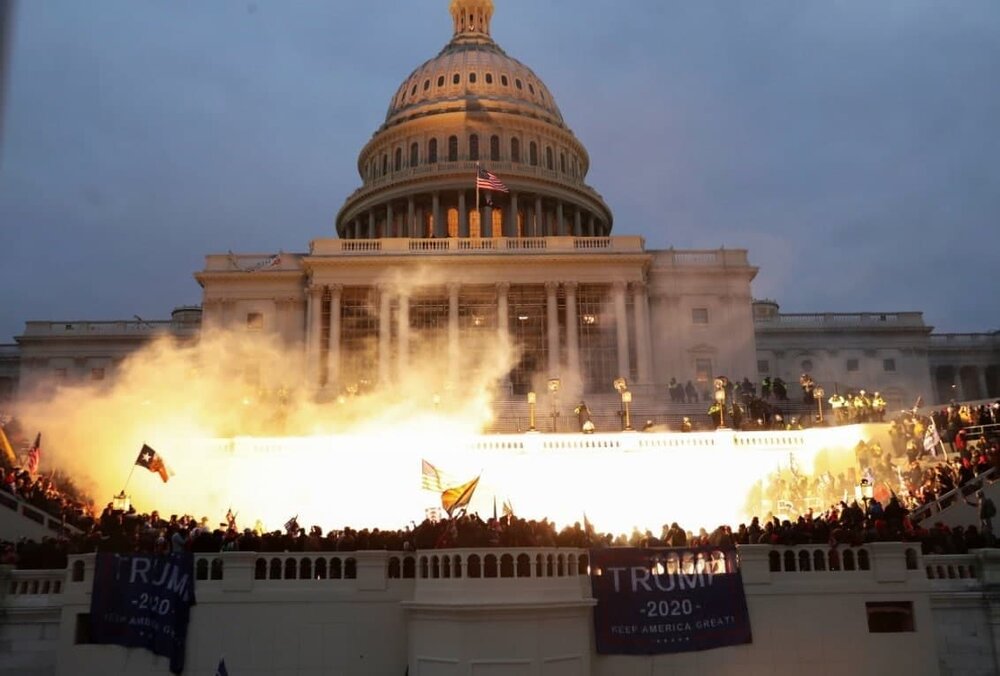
(143, 601)
(667, 600)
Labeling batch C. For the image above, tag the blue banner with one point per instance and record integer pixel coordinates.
(667, 600)
(143, 601)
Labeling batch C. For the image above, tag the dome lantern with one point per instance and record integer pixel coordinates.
(472, 16)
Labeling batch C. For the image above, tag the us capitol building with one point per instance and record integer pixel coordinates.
(422, 260)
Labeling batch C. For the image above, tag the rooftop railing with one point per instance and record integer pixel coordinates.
(109, 328)
(843, 319)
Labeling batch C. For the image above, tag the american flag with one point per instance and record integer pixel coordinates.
(487, 180)
(35, 455)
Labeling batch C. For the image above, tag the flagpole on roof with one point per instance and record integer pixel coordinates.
(477, 196)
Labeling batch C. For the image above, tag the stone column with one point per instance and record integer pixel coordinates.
(572, 330)
(621, 324)
(439, 229)
(486, 223)
(643, 341)
(560, 224)
(539, 221)
(463, 215)
(390, 229)
(403, 336)
(503, 314)
(453, 355)
(384, 335)
(552, 315)
(314, 333)
(591, 227)
(411, 226)
(371, 224)
(577, 223)
(333, 348)
(512, 217)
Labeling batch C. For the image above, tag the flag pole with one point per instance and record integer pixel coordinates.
(477, 194)
(128, 479)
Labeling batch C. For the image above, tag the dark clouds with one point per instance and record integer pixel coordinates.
(851, 146)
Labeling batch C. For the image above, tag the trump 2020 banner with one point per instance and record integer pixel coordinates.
(667, 600)
(143, 601)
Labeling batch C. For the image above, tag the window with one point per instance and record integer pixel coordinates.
(703, 370)
(889, 365)
(432, 151)
(97, 374)
(489, 78)
(456, 78)
(531, 88)
(255, 321)
(427, 85)
(517, 83)
(562, 162)
(699, 315)
(474, 147)
(414, 152)
(413, 91)
(852, 364)
(397, 162)
(440, 80)
(453, 149)
(503, 80)
(763, 366)
(385, 164)
(533, 154)
(549, 164)
(515, 150)
(889, 617)
(472, 78)
(495, 148)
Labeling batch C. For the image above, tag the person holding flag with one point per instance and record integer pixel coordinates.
(34, 455)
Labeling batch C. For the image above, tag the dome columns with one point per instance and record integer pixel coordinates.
(471, 16)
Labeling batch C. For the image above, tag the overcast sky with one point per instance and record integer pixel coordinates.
(852, 147)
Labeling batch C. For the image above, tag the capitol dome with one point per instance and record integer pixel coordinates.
(473, 105)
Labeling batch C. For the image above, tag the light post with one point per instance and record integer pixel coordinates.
(532, 399)
(626, 400)
(621, 387)
(720, 400)
(121, 502)
(819, 393)
(554, 385)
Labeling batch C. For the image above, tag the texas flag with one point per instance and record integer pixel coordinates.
(153, 461)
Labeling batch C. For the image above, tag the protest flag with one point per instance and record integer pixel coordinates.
(153, 461)
(458, 496)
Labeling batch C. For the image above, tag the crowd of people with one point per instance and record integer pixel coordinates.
(921, 465)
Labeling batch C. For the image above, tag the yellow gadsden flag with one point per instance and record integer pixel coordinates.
(5, 448)
(459, 496)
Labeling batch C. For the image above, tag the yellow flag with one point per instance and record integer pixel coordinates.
(8, 452)
(459, 496)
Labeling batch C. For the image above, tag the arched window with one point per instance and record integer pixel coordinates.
(531, 88)
(517, 83)
(456, 78)
(397, 162)
(385, 164)
(440, 80)
(474, 147)
(413, 91)
(427, 85)
(533, 154)
(494, 148)
(472, 78)
(414, 152)
(503, 80)
(549, 164)
(562, 162)
(432, 151)
(515, 150)
(453, 149)
(489, 78)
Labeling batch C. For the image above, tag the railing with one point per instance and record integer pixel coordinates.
(318, 566)
(953, 496)
(29, 511)
(844, 319)
(89, 328)
(502, 563)
(702, 258)
(964, 340)
(952, 567)
(464, 245)
(35, 583)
